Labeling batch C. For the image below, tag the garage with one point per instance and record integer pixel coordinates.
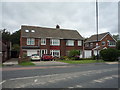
(88, 53)
(30, 52)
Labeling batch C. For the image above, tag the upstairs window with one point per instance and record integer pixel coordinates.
(79, 43)
(55, 42)
(111, 43)
(103, 43)
(30, 41)
(43, 41)
(70, 43)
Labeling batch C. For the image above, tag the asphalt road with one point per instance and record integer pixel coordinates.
(67, 76)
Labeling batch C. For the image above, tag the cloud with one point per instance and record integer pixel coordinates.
(69, 15)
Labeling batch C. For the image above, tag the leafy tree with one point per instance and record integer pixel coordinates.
(16, 47)
(15, 38)
(5, 35)
(116, 37)
(118, 45)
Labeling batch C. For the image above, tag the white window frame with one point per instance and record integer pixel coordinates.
(55, 42)
(104, 43)
(70, 43)
(30, 41)
(53, 52)
(43, 41)
(79, 43)
(109, 43)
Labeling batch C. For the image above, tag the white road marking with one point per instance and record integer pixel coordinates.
(78, 86)
(35, 80)
(2, 82)
(70, 87)
(99, 81)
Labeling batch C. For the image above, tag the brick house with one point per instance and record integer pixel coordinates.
(105, 40)
(55, 41)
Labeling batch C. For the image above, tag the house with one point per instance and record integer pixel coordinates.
(105, 40)
(55, 41)
(4, 51)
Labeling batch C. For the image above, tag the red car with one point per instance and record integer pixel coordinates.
(47, 57)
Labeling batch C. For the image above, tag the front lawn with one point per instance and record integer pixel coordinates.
(81, 61)
(27, 64)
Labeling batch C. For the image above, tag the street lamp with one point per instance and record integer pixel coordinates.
(97, 24)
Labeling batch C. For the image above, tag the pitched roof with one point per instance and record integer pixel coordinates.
(93, 38)
(42, 32)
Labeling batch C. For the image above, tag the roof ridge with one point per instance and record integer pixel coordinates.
(47, 28)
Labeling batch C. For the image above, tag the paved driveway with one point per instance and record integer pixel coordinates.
(48, 63)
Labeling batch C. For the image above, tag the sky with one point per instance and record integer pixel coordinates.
(78, 16)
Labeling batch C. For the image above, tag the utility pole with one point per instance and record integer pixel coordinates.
(97, 25)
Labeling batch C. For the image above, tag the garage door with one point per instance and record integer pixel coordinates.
(30, 52)
(88, 53)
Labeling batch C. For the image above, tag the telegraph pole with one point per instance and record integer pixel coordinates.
(97, 25)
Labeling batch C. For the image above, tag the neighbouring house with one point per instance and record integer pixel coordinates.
(5, 51)
(55, 41)
(105, 40)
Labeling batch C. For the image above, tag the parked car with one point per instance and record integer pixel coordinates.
(46, 57)
(35, 57)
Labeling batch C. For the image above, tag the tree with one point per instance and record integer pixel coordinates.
(118, 45)
(5, 35)
(15, 38)
(116, 37)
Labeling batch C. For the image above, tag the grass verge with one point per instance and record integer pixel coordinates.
(27, 64)
(81, 61)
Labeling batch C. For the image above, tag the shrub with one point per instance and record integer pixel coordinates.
(74, 54)
(24, 55)
(109, 54)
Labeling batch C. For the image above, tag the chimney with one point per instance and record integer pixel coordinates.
(57, 27)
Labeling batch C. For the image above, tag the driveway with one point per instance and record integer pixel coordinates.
(48, 63)
(12, 61)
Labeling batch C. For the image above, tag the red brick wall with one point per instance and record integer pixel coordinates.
(63, 48)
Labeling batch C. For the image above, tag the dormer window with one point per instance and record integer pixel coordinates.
(26, 30)
(32, 30)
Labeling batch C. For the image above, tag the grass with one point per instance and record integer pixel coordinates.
(27, 64)
(81, 61)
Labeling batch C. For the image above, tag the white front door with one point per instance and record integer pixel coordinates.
(43, 51)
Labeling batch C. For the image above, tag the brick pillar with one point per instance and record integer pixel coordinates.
(62, 47)
(48, 45)
(75, 45)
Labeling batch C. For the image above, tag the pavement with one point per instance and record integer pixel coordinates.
(49, 63)
(11, 62)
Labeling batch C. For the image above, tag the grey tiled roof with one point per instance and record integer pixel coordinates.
(93, 38)
(42, 32)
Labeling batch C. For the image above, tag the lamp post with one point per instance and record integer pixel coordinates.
(97, 24)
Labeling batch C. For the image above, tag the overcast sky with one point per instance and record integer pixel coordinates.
(69, 15)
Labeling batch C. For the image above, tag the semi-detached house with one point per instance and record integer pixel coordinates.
(55, 41)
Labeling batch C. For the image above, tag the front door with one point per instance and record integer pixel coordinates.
(43, 51)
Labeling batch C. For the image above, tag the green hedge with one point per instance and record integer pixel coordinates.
(110, 54)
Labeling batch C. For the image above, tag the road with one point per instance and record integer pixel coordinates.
(66, 76)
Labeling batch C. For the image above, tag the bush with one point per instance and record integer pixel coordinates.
(74, 54)
(109, 54)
